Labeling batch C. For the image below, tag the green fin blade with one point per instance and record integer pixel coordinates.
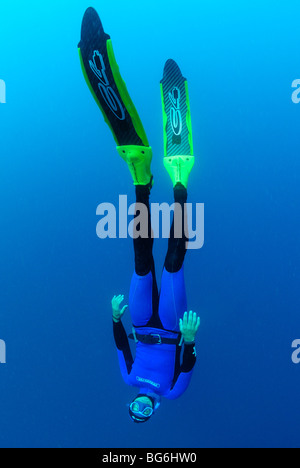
(102, 75)
(178, 139)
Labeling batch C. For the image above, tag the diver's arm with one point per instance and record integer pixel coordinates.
(183, 377)
(189, 358)
(189, 326)
(123, 348)
(121, 339)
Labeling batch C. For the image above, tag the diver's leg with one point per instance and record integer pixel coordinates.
(173, 300)
(143, 246)
(177, 242)
(143, 299)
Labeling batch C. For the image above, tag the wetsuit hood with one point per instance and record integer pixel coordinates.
(155, 400)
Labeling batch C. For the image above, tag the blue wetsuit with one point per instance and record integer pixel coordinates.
(157, 367)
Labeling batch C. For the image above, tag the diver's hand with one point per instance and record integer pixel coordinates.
(189, 326)
(117, 312)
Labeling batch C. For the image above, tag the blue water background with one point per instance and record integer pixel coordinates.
(61, 386)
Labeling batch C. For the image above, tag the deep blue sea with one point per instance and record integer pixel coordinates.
(61, 385)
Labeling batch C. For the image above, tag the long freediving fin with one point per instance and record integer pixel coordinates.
(178, 139)
(104, 80)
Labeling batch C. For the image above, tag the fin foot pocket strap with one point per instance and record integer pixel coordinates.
(179, 168)
(139, 160)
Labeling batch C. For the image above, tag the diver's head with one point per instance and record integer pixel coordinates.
(142, 407)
